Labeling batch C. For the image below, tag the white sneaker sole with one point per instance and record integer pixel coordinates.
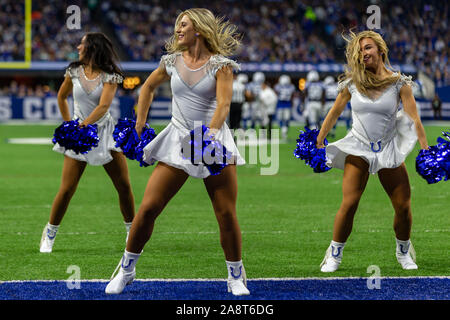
(119, 287)
(45, 249)
(237, 288)
(407, 263)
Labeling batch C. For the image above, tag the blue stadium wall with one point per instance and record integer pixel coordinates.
(35, 109)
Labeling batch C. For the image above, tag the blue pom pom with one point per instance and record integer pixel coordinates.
(306, 150)
(80, 140)
(210, 152)
(434, 164)
(128, 140)
(126, 137)
(147, 136)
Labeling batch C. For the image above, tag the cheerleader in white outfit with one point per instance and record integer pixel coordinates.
(381, 137)
(93, 81)
(201, 79)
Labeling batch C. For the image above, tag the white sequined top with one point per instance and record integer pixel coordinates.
(374, 117)
(193, 90)
(86, 92)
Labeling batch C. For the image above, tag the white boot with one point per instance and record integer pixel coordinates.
(333, 257)
(126, 274)
(48, 238)
(406, 255)
(237, 279)
(120, 281)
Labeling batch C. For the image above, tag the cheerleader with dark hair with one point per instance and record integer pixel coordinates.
(93, 81)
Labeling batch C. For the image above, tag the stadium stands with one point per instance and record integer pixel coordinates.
(287, 31)
(11, 33)
(274, 31)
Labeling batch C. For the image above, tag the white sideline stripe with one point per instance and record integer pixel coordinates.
(221, 280)
(213, 232)
(169, 232)
(29, 141)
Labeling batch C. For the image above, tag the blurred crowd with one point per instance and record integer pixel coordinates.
(21, 90)
(418, 33)
(12, 36)
(52, 40)
(273, 30)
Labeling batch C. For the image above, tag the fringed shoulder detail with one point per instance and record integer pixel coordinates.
(168, 60)
(112, 78)
(404, 80)
(344, 84)
(218, 61)
(72, 72)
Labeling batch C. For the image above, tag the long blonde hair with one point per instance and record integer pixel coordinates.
(221, 37)
(355, 69)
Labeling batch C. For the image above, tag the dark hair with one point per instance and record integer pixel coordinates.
(99, 51)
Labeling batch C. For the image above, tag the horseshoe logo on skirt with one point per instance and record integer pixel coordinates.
(379, 146)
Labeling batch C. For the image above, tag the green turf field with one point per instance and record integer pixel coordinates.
(286, 220)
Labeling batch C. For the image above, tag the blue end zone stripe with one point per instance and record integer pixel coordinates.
(410, 288)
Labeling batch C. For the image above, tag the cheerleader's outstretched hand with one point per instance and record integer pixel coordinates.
(320, 144)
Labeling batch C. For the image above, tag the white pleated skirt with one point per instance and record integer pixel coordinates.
(167, 145)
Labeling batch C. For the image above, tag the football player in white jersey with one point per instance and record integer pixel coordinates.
(330, 87)
(285, 91)
(256, 108)
(269, 99)
(314, 99)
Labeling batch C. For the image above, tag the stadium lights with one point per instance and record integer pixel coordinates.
(301, 84)
(131, 82)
